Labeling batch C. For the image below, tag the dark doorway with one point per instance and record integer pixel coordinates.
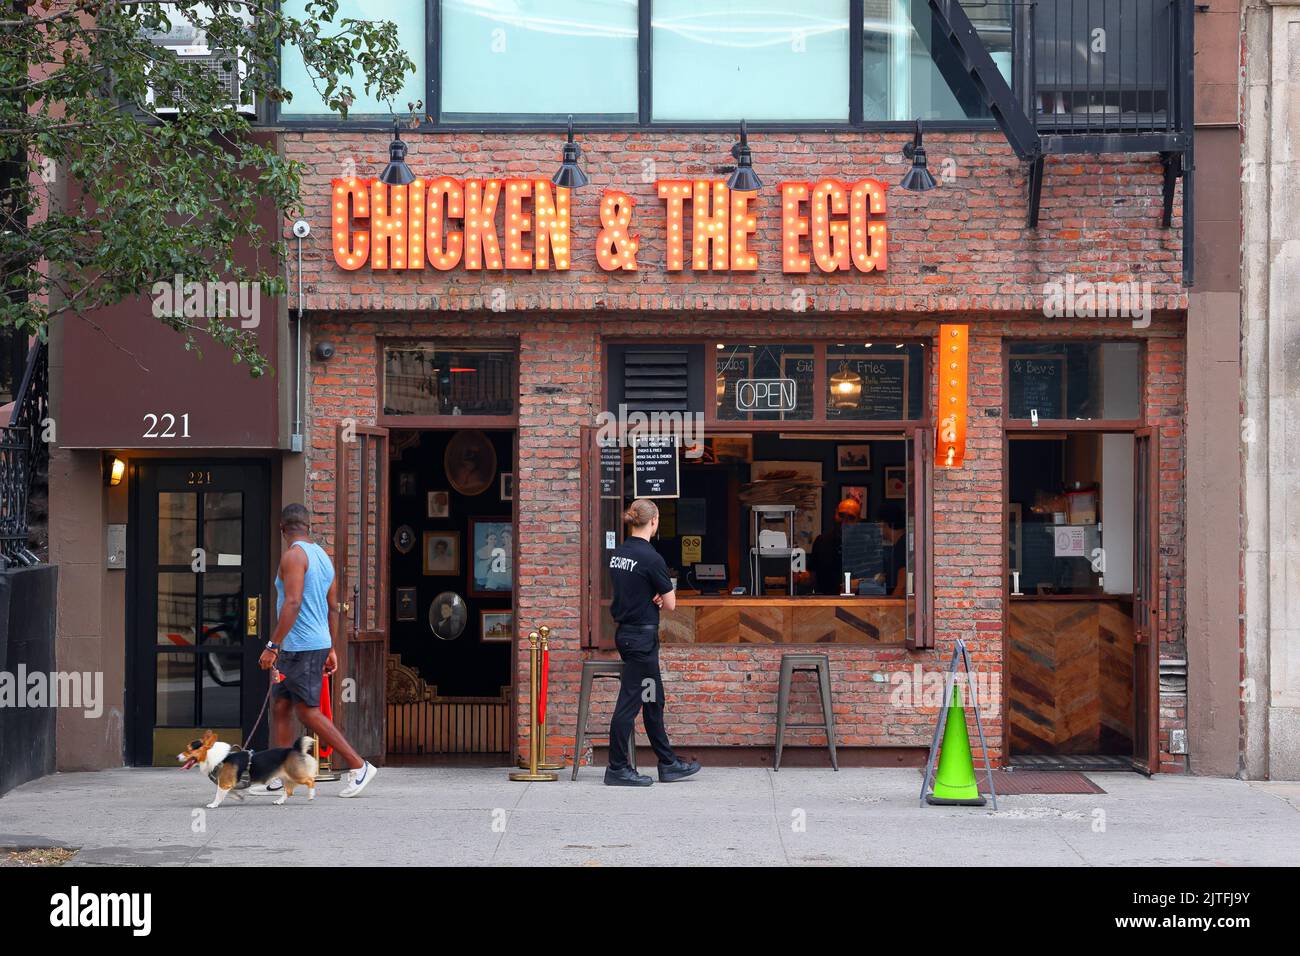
(452, 550)
(199, 603)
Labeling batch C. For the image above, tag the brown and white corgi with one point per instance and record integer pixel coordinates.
(236, 769)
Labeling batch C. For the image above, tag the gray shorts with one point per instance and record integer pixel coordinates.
(302, 673)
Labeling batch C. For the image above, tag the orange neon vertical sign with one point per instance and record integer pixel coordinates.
(953, 361)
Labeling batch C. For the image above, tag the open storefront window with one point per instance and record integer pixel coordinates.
(781, 521)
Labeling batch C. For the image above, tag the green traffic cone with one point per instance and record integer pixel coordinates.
(954, 781)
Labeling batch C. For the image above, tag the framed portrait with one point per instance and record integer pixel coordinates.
(896, 482)
(507, 486)
(448, 616)
(404, 539)
(438, 504)
(859, 494)
(491, 555)
(406, 604)
(732, 449)
(853, 457)
(406, 482)
(470, 462)
(441, 552)
(497, 626)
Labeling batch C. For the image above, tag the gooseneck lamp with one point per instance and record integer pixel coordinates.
(397, 173)
(743, 177)
(918, 178)
(570, 175)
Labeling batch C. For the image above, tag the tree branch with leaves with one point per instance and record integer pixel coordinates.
(123, 165)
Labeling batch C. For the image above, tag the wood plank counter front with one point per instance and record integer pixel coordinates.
(813, 619)
(1070, 674)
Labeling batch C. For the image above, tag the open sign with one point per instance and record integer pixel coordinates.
(765, 395)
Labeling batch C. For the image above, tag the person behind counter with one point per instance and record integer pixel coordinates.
(641, 587)
(827, 556)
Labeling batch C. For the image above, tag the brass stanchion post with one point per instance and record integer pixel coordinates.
(324, 769)
(533, 773)
(543, 632)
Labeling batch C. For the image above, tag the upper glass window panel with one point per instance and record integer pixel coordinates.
(1076, 380)
(539, 60)
(437, 380)
(875, 381)
(759, 383)
(728, 60)
(910, 71)
(308, 103)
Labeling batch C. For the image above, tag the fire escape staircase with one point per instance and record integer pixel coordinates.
(1119, 96)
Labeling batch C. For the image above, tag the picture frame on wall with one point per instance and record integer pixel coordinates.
(438, 504)
(507, 486)
(441, 552)
(853, 457)
(470, 462)
(406, 605)
(896, 482)
(406, 483)
(491, 544)
(497, 626)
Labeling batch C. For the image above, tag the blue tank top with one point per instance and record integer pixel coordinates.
(311, 631)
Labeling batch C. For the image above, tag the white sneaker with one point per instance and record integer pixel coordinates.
(269, 789)
(358, 779)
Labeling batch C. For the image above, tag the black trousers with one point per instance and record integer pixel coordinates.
(642, 690)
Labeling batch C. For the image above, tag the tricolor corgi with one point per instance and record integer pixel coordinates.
(234, 770)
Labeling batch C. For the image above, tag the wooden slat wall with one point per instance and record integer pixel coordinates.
(448, 727)
(1069, 686)
(777, 624)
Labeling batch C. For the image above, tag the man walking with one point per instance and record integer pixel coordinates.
(641, 588)
(302, 649)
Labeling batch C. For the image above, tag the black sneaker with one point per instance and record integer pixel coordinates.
(627, 777)
(679, 769)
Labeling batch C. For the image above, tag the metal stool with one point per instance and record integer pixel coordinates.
(592, 671)
(820, 665)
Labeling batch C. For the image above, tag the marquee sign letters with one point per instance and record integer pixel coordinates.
(525, 225)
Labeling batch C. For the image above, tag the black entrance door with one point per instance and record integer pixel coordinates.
(198, 615)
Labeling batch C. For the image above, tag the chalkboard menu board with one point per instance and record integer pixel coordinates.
(654, 469)
(611, 470)
(861, 550)
(1038, 383)
(884, 388)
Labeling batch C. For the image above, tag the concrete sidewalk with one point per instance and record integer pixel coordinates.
(724, 816)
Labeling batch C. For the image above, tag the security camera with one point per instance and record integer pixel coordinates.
(302, 229)
(324, 351)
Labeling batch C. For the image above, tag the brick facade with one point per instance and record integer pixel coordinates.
(958, 254)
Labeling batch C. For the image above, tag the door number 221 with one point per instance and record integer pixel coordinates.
(167, 422)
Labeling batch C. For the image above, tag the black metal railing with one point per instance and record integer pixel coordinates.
(23, 453)
(1107, 68)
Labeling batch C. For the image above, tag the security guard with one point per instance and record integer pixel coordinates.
(641, 588)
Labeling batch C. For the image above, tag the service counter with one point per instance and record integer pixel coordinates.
(808, 619)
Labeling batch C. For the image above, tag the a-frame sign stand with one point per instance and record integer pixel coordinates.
(950, 680)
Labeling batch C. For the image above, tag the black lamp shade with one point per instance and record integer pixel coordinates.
(918, 178)
(743, 178)
(397, 173)
(570, 174)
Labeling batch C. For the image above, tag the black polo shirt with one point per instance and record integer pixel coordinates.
(638, 573)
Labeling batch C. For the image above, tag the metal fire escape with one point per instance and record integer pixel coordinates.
(1093, 76)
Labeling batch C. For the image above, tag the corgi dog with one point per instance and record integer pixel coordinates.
(233, 770)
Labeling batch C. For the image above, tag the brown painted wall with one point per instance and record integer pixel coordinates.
(121, 363)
